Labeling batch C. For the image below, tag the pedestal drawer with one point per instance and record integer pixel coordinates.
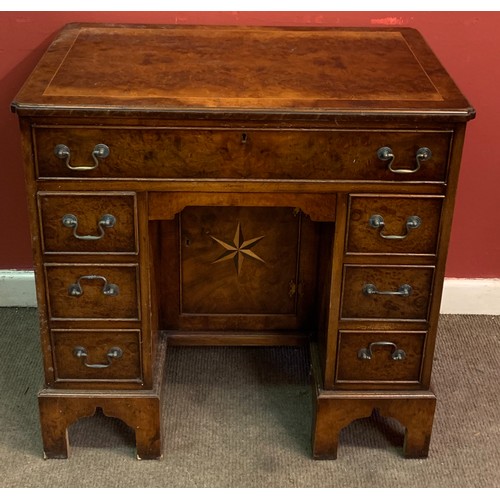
(88, 223)
(93, 291)
(393, 224)
(108, 152)
(374, 356)
(91, 355)
(386, 292)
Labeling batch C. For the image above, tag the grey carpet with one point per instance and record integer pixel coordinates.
(240, 417)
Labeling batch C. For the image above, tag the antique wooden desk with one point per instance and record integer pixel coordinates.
(239, 186)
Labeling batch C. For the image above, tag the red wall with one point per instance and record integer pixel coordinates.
(467, 43)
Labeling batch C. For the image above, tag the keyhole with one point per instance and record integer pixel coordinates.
(244, 138)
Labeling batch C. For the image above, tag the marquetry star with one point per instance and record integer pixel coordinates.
(238, 249)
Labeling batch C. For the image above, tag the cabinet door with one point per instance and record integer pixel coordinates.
(242, 268)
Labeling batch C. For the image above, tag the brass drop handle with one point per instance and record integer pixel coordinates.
(403, 291)
(100, 152)
(113, 353)
(109, 289)
(106, 221)
(385, 154)
(366, 353)
(377, 222)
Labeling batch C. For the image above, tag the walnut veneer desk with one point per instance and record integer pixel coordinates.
(239, 186)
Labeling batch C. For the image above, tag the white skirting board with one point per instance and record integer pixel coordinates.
(17, 289)
(460, 296)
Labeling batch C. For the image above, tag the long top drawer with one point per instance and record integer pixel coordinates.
(184, 153)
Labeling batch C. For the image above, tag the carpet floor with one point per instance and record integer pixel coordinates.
(241, 417)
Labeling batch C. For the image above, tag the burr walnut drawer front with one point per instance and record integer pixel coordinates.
(88, 223)
(374, 356)
(108, 152)
(386, 292)
(96, 355)
(393, 224)
(93, 291)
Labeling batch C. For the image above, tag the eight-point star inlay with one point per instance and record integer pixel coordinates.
(238, 249)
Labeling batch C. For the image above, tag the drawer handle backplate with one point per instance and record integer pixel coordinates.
(403, 291)
(396, 354)
(71, 221)
(377, 222)
(100, 152)
(113, 353)
(385, 154)
(76, 289)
